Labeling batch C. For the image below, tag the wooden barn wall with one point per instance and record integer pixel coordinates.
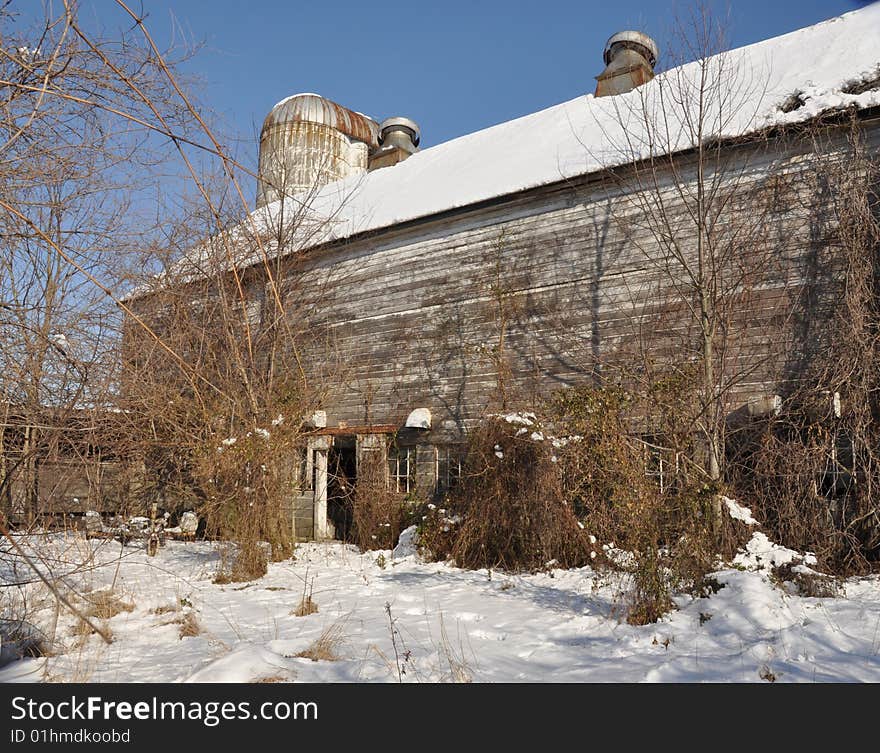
(566, 280)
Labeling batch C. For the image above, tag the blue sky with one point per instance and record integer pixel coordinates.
(454, 67)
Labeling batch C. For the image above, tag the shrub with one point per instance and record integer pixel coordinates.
(246, 481)
(795, 469)
(378, 514)
(437, 531)
(605, 477)
(508, 511)
(572, 489)
(650, 597)
(554, 491)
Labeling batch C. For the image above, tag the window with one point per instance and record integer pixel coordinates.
(661, 463)
(449, 463)
(253, 311)
(304, 470)
(839, 475)
(402, 468)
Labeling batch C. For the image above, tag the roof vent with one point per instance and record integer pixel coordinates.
(630, 57)
(398, 139)
(401, 132)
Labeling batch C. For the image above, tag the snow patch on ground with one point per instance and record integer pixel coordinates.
(738, 512)
(556, 626)
(246, 663)
(763, 554)
(407, 544)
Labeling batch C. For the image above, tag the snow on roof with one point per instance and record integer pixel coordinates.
(787, 79)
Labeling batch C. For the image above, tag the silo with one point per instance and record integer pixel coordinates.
(308, 141)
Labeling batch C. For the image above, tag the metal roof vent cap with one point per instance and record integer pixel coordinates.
(630, 57)
(401, 132)
(642, 43)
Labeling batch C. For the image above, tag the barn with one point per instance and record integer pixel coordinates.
(480, 275)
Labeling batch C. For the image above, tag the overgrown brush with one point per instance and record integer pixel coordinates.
(378, 513)
(571, 489)
(222, 436)
(246, 478)
(812, 490)
(812, 471)
(508, 511)
(604, 477)
(674, 533)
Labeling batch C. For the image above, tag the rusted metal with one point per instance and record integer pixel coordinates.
(335, 431)
(313, 108)
(629, 58)
(308, 141)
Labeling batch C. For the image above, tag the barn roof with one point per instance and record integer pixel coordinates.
(788, 79)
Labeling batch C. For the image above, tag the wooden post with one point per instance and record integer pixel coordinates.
(322, 529)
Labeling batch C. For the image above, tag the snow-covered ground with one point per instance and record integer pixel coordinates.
(448, 624)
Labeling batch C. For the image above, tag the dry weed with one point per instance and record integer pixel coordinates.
(83, 631)
(189, 625)
(325, 646)
(459, 671)
(105, 604)
(306, 607)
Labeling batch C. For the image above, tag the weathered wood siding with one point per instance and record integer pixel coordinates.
(565, 279)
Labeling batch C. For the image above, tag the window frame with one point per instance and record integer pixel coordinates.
(401, 482)
(447, 458)
(661, 464)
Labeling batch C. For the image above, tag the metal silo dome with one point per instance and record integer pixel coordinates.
(308, 141)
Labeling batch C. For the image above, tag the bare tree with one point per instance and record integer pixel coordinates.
(74, 171)
(84, 125)
(757, 291)
(695, 205)
(245, 355)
